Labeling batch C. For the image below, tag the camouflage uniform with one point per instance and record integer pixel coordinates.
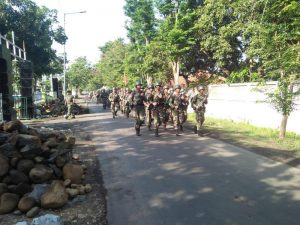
(70, 102)
(198, 104)
(166, 107)
(128, 103)
(148, 106)
(185, 103)
(138, 99)
(158, 103)
(104, 98)
(114, 98)
(177, 106)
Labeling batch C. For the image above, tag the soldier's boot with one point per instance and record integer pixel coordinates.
(156, 132)
(177, 131)
(137, 131)
(195, 129)
(181, 128)
(199, 133)
(165, 126)
(66, 117)
(149, 127)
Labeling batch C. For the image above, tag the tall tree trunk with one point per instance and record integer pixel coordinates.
(175, 67)
(149, 79)
(283, 126)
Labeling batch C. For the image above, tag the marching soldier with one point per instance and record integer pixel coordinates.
(185, 104)
(166, 106)
(158, 102)
(128, 98)
(138, 99)
(177, 106)
(114, 98)
(148, 106)
(104, 98)
(198, 104)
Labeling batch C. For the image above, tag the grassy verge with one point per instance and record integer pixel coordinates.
(250, 135)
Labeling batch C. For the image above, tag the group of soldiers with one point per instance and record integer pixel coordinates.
(159, 105)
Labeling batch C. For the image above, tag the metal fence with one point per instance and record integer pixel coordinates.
(1, 109)
(20, 107)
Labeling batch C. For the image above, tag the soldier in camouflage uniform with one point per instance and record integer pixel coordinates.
(177, 106)
(166, 106)
(104, 98)
(69, 101)
(138, 99)
(158, 105)
(198, 104)
(114, 98)
(148, 106)
(128, 103)
(185, 103)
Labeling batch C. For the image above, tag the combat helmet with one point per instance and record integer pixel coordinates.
(157, 84)
(200, 87)
(138, 82)
(177, 86)
(166, 87)
(150, 86)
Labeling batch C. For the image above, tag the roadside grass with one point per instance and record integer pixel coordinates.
(253, 136)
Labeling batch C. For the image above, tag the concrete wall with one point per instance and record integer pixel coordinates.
(246, 103)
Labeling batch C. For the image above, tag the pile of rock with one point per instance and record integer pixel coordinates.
(36, 169)
(58, 108)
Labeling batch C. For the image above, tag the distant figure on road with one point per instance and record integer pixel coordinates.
(177, 106)
(114, 98)
(198, 104)
(69, 101)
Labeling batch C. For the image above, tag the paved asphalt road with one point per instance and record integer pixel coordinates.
(188, 180)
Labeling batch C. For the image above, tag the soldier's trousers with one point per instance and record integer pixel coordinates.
(165, 115)
(199, 118)
(148, 117)
(114, 108)
(70, 110)
(178, 118)
(158, 116)
(139, 114)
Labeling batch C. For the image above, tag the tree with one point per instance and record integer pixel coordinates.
(177, 31)
(272, 41)
(141, 23)
(37, 28)
(111, 64)
(79, 74)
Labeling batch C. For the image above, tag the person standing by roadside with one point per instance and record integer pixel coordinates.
(69, 101)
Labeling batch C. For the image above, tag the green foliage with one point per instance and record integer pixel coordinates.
(111, 65)
(79, 74)
(37, 28)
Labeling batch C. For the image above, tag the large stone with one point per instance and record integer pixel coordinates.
(26, 203)
(40, 173)
(23, 189)
(14, 161)
(3, 137)
(3, 188)
(38, 191)
(70, 141)
(46, 134)
(8, 149)
(47, 219)
(57, 171)
(60, 161)
(22, 223)
(18, 177)
(88, 188)
(12, 125)
(8, 202)
(33, 142)
(4, 165)
(33, 212)
(51, 143)
(55, 197)
(30, 151)
(73, 172)
(25, 165)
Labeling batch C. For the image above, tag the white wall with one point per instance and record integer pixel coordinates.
(246, 103)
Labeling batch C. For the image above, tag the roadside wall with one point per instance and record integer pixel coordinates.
(245, 102)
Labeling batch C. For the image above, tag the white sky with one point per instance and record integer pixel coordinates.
(104, 21)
